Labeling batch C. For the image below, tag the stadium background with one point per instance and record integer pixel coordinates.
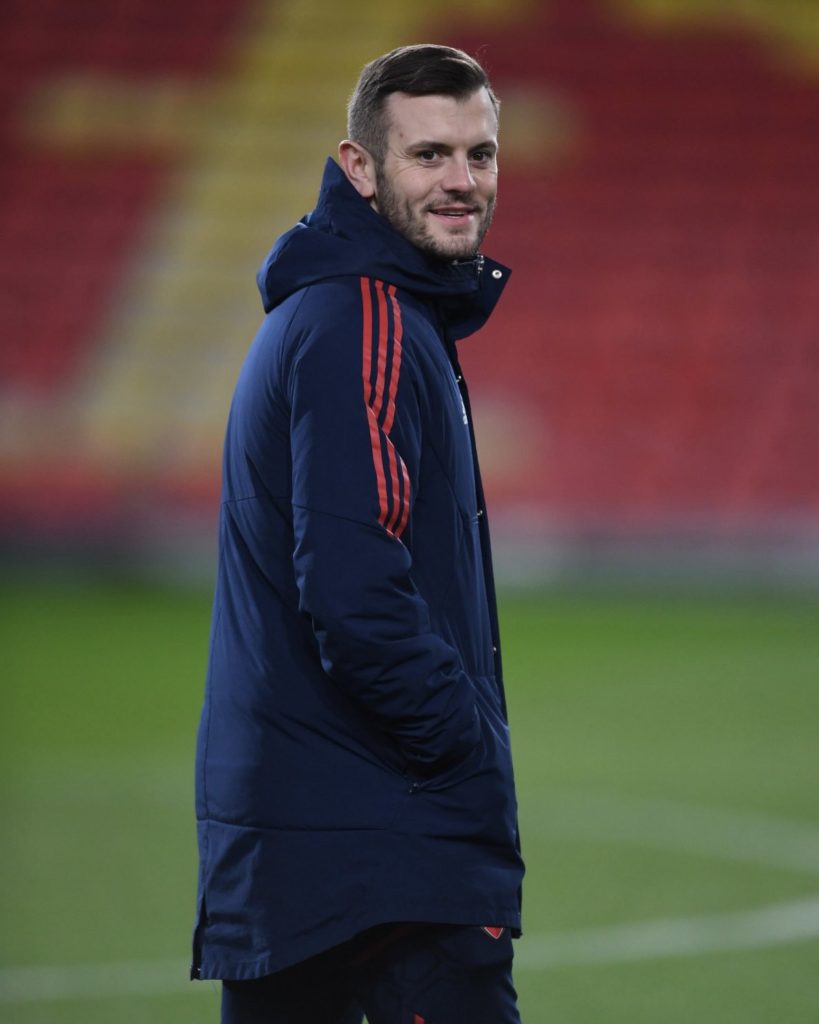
(648, 411)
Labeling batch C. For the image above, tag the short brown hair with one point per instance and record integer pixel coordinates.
(424, 69)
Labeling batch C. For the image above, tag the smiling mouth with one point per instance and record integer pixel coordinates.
(455, 214)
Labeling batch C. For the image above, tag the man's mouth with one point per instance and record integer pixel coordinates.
(456, 214)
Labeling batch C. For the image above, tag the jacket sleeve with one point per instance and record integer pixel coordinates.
(356, 438)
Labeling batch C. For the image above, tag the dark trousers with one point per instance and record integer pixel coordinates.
(395, 974)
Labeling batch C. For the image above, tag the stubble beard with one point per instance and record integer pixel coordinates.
(406, 222)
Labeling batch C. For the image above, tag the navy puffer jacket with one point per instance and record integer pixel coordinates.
(353, 762)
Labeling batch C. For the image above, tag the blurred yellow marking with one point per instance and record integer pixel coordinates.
(791, 26)
(85, 113)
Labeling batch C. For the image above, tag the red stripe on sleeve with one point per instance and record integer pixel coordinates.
(400, 504)
(383, 346)
(375, 439)
(392, 456)
(386, 460)
(405, 514)
(398, 331)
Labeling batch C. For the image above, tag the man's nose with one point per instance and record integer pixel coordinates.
(458, 177)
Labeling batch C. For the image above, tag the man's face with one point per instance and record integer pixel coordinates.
(438, 180)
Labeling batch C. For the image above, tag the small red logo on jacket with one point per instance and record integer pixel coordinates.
(495, 933)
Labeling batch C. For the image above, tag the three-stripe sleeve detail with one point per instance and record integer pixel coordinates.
(381, 369)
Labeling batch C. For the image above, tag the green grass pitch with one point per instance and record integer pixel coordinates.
(666, 753)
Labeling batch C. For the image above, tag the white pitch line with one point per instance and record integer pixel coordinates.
(672, 937)
(96, 981)
(738, 836)
(774, 925)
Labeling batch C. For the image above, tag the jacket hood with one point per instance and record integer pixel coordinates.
(344, 236)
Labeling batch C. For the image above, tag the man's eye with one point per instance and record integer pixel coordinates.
(481, 156)
(427, 155)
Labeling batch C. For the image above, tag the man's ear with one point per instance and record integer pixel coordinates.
(358, 166)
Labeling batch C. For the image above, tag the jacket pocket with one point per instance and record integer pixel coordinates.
(473, 799)
(453, 774)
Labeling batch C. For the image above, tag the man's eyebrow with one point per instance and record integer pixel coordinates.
(444, 147)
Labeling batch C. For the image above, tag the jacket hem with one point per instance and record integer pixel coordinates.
(216, 968)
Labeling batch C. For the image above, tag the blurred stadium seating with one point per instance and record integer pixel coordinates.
(651, 383)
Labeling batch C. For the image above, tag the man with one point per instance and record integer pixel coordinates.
(355, 802)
